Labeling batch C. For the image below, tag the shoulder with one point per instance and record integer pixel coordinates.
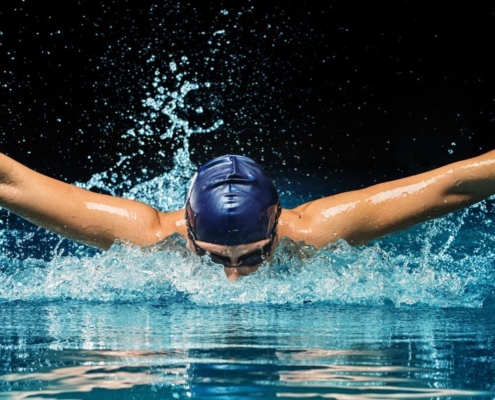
(172, 222)
(326, 220)
(310, 223)
(288, 224)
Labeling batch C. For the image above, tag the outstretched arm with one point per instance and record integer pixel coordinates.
(87, 217)
(363, 215)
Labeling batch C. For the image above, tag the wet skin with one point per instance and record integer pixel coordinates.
(234, 271)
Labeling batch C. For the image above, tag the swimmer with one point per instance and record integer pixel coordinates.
(233, 213)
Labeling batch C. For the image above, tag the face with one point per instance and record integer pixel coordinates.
(239, 260)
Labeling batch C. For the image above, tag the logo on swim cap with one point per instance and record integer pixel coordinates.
(232, 201)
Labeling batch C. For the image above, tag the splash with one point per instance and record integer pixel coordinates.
(164, 102)
(381, 274)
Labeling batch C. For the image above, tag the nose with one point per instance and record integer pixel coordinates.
(232, 273)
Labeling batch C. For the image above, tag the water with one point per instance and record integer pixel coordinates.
(410, 316)
(178, 349)
(407, 316)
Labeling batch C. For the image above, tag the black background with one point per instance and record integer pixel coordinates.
(369, 85)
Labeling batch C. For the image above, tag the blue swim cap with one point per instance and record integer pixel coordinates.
(232, 201)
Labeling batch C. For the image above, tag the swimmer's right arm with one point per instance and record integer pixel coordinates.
(81, 215)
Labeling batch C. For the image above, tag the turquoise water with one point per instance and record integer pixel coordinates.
(178, 349)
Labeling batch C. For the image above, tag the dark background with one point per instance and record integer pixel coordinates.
(399, 85)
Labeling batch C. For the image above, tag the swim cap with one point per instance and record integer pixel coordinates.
(232, 201)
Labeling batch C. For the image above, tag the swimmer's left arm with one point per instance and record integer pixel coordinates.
(363, 215)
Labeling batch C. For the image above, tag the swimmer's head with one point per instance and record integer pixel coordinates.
(232, 201)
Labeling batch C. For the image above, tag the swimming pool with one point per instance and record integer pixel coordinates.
(182, 350)
(409, 316)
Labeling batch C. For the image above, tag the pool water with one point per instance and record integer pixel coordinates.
(408, 316)
(178, 349)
